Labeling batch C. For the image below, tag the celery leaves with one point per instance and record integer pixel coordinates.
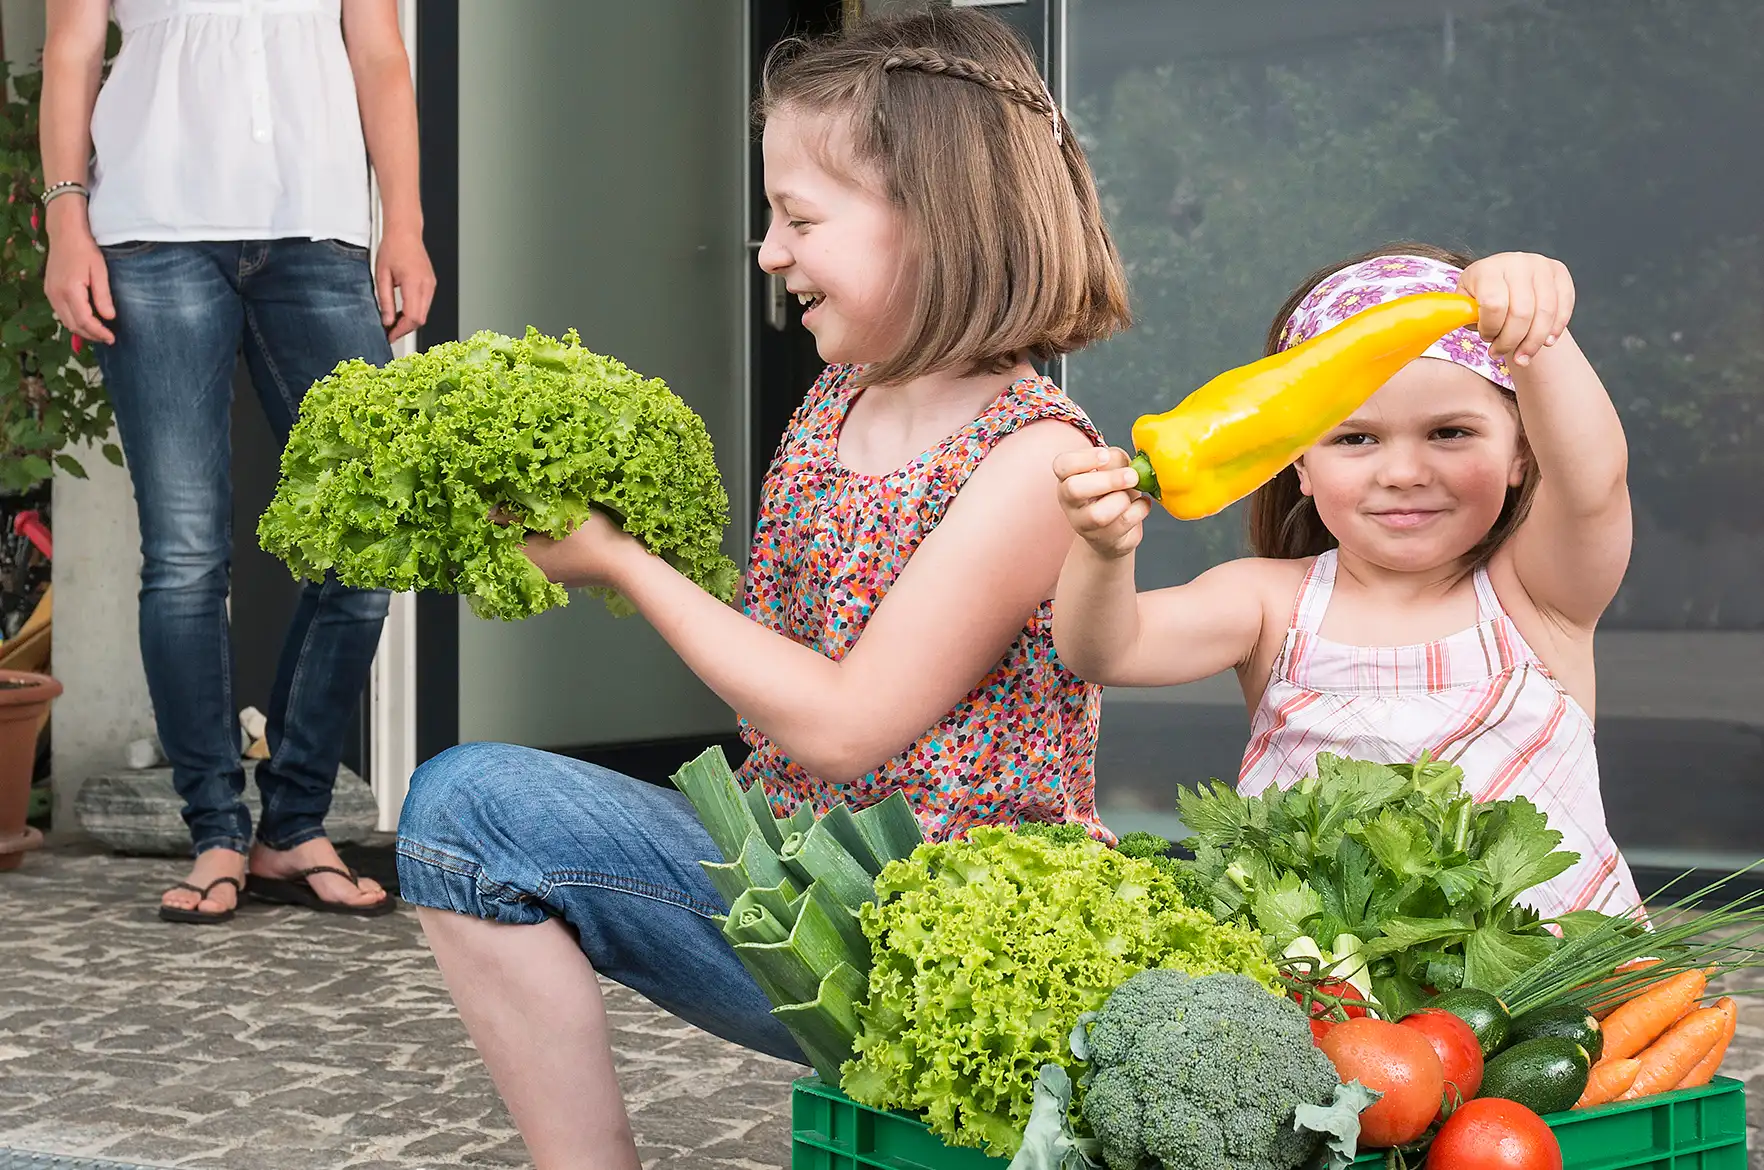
(1397, 854)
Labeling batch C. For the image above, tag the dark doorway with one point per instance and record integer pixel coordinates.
(785, 363)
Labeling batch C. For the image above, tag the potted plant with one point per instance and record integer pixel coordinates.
(24, 708)
(50, 393)
(25, 692)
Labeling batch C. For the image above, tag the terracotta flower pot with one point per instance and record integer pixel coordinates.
(24, 705)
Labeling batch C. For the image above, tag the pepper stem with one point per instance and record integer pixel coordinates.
(1148, 479)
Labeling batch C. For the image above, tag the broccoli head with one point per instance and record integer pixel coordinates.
(1055, 832)
(1143, 845)
(1189, 1072)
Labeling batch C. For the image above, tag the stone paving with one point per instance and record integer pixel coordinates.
(294, 1041)
(288, 1040)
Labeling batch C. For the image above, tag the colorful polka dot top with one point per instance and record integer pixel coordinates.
(829, 542)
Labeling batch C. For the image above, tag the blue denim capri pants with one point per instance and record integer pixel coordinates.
(516, 835)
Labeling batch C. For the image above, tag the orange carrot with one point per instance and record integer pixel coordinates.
(1609, 1078)
(1705, 1068)
(1645, 1018)
(1666, 1061)
(1609, 1004)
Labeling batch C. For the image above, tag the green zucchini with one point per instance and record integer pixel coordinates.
(1569, 1020)
(1485, 1013)
(1546, 1074)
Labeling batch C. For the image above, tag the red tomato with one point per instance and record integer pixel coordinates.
(1396, 1061)
(1459, 1053)
(1493, 1134)
(1321, 1013)
(1341, 989)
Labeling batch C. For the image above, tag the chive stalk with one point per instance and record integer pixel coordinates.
(754, 865)
(843, 920)
(890, 828)
(750, 920)
(843, 828)
(828, 864)
(761, 811)
(794, 886)
(1683, 938)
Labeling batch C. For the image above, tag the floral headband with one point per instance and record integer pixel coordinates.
(1383, 278)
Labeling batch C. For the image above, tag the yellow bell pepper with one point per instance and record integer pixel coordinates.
(1244, 427)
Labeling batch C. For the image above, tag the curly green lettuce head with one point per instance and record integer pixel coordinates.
(986, 952)
(391, 473)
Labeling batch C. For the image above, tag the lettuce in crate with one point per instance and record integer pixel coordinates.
(392, 474)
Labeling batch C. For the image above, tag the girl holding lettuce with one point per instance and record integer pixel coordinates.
(940, 223)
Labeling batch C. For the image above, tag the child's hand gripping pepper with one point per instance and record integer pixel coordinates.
(1241, 429)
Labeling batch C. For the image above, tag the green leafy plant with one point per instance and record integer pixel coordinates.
(985, 954)
(1395, 854)
(794, 886)
(1688, 934)
(51, 397)
(394, 475)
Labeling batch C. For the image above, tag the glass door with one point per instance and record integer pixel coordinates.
(782, 362)
(600, 158)
(1240, 146)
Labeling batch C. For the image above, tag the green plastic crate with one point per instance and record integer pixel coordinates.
(1695, 1129)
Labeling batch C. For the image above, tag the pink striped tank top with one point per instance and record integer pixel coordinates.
(1479, 698)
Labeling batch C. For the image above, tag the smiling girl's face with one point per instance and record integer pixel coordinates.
(1417, 478)
(834, 238)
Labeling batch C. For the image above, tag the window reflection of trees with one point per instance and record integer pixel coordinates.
(1619, 135)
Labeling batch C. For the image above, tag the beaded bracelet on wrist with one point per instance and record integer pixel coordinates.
(68, 187)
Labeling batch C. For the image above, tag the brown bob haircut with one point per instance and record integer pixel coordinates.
(1283, 521)
(946, 111)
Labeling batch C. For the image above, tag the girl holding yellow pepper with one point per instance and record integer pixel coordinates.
(1427, 576)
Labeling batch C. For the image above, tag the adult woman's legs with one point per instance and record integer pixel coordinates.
(169, 377)
(309, 304)
(539, 871)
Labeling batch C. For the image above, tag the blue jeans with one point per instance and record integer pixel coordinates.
(516, 835)
(183, 310)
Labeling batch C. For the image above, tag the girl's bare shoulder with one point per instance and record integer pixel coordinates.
(1268, 584)
(1272, 580)
(1027, 453)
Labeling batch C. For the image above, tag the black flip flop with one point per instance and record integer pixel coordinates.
(297, 891)
(200, 917)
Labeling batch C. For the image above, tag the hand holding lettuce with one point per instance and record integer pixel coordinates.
(392, 474)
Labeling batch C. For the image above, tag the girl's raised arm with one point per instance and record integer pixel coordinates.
(1109, 633)
(1570, 553)
(963, 598)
